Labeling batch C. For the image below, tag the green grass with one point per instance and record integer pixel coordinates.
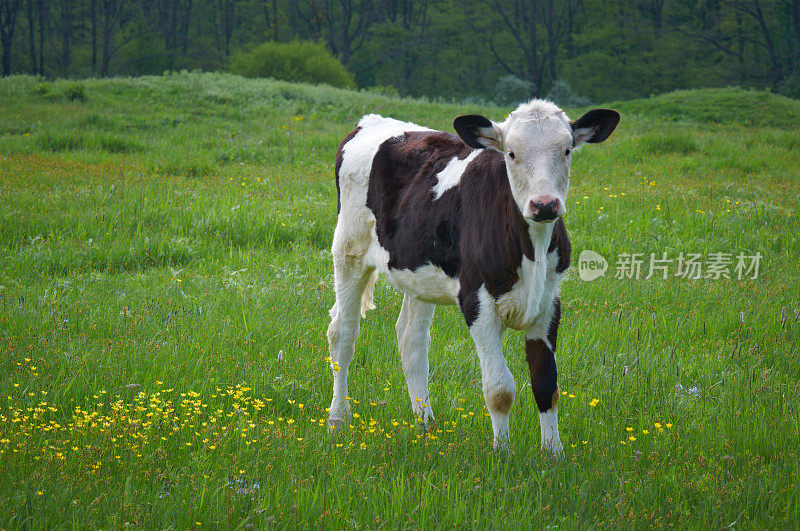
(162, 239)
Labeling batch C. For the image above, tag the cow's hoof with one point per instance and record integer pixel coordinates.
(426, 424)
(553, 450)
(335, 424)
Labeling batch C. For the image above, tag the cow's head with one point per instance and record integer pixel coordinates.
(537, 141)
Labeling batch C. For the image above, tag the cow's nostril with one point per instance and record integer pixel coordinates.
(546, 208)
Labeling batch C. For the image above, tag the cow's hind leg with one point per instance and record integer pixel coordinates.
(414, 341)
(351, 278)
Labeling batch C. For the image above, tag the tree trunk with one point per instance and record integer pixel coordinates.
(42, 22)
(275, 20)
(93, 17)
(775, 69)
(66, 34)
(110, 12)
(796, 26)
(536, 74)
(31, 34)
(8, 20)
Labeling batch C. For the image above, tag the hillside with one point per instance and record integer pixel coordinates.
(165, 280)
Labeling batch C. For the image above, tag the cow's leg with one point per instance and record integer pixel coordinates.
(350, 278)
(540, 346)
(498, 382)
(414, 340)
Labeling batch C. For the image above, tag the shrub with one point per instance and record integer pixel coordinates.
(41, 89)
(511, 90)
(293, 61)
(75, 92)
(562, 94)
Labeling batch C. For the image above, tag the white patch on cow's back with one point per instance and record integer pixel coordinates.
(358, 154)
(450, 176)
(355, 226)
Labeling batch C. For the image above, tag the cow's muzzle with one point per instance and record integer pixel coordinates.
(546, 209)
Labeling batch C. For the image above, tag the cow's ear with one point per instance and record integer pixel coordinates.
(478, 131)
(594, 126)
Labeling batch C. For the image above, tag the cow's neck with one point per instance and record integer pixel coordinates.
(540, 235)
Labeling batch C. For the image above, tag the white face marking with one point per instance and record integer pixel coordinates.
(450, 176)
(537, 145)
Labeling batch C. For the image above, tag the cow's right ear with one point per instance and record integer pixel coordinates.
(478, 131)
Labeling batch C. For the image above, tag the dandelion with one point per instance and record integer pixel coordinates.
(657, 424)
(594, 402)
(628, 429)
(631, 438)
(645, 432)
(571, 395)
(668, 425)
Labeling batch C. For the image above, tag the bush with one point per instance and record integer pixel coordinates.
(561, 94)
(511, 90)
(303, 61)
(75, 92)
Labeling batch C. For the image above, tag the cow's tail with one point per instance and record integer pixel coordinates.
(367, 299)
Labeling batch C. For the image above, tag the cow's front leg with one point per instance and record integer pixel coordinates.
(498, 383)
(540, 346)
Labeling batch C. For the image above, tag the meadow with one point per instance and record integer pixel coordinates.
(165, 276)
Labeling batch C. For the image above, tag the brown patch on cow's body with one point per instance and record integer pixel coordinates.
(339, 156)
(500, 402)
(494, 235)
(559, 242)
(474, 232)
(554, 400)
(415, 229)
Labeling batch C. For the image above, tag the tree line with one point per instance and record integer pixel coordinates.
(485, 49)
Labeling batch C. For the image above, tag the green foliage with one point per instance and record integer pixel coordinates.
(304, 61)
(511, 91)
(661, 143)
(562, 94)
(145, 297)
(718, 106)
(75, 92)
(59, 141)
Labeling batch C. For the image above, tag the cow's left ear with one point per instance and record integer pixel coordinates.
(594, 126)
(478, 131)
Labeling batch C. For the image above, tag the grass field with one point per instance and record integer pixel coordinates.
(165, 277)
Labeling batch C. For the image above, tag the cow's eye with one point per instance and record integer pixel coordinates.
(511, 155)
(567, 152)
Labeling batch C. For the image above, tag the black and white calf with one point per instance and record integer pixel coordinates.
(473, 221)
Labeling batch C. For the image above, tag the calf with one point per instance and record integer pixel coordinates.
(474, 221)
